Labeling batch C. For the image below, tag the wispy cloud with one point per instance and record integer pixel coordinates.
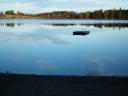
(52, 5)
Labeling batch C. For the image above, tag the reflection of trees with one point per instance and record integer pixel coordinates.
(10, 24)
(109, 25)
(63, 24)
(98, 25)
(1, 24)
(116, 25)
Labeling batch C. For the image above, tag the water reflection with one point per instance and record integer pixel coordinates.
(100, 64)
(37, 37)
(118, 25)
(11, 24)
(51, 49)
(99, 25)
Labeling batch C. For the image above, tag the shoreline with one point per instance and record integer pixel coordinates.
(38, 17)
(49, 85)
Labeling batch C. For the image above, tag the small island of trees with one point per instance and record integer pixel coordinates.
(112, 14)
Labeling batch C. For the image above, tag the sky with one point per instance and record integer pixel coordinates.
(38, 6)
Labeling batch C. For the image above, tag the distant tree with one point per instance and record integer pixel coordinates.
(1, 13)
(18, 13)
(9, 12)
(112, 14)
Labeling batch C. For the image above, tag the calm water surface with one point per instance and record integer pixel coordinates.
(48, 47)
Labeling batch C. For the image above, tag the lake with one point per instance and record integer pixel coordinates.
(48, 47)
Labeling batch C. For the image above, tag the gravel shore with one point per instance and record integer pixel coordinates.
(33, 85)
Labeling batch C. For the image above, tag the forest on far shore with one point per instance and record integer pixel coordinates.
(111, 14)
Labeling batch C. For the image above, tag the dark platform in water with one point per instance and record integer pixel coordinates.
(81, 32)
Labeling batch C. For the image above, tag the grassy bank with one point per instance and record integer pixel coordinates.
(19, 17)
(32, 85)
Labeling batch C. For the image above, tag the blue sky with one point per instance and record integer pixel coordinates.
(37, 6)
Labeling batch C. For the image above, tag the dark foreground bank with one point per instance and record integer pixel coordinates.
(31, 85)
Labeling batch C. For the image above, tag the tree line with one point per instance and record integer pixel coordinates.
(112, 14)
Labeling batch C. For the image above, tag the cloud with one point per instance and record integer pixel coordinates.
(18, 6)
(53, 5)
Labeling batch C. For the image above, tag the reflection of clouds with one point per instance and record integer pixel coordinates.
(35, 32)
(40, 36)
(43, 64)
(21, 28)
(12, 27)
(43, 37)
(100, 65)
(100, 60)
(48, 66)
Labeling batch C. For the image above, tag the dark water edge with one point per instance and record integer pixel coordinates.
(33, 85)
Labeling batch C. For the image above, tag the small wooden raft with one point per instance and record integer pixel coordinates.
(81, 32)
